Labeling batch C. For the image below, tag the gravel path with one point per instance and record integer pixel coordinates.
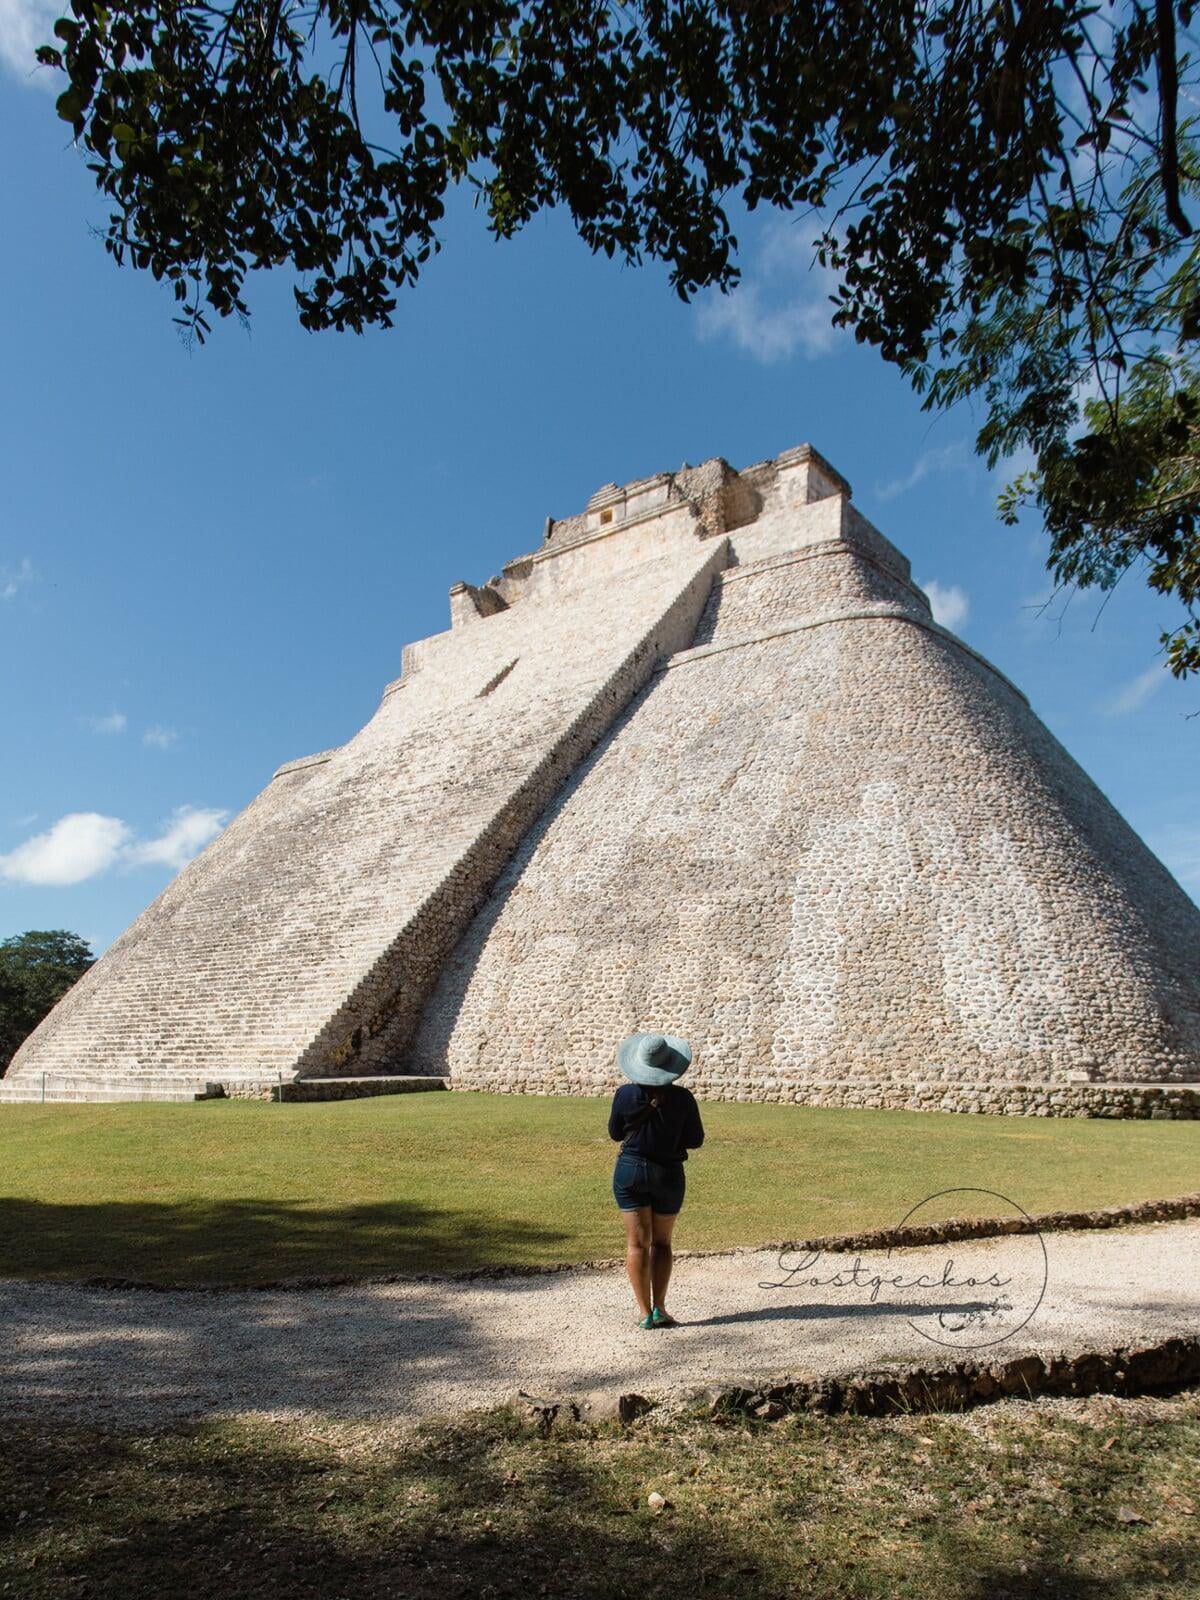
(407, 1350)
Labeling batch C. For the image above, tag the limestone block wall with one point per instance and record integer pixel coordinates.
(839, 852)
(796, 505)
(305, 938)
(781, 589)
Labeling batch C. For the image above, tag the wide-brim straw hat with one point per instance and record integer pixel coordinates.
(653, 1059)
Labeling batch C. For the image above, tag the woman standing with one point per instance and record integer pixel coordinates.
(657, 1122)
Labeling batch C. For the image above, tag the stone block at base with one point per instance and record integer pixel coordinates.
(323, 1088)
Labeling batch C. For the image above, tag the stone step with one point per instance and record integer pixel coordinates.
(16, 1094)
(97, 1089)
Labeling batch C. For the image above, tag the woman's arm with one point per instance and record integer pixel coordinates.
(616, 1122)
(694, 1131)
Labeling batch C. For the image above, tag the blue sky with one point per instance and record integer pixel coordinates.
(211, 558)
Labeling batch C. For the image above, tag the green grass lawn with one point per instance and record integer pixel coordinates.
(238, 1191)
(1011, 1503)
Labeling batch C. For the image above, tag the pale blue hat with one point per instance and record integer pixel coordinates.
(653, 1059)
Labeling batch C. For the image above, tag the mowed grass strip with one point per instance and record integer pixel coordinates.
(242, 1192)
(1095, 1498)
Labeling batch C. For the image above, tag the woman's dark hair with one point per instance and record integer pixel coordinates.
(654, 1099)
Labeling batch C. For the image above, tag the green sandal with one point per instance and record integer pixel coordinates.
(661, 1319)
(648, 1321)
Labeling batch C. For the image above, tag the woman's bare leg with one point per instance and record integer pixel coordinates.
(661, 1258)
(638, 1234)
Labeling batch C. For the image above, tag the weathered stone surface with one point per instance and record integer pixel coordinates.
(839, 851)
(702, 761)
(557, 1411)
(310, 1089)
(304, 940)
(1149, 1369)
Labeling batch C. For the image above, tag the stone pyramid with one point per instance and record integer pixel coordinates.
(702, 762)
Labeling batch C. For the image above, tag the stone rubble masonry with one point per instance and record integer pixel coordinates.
(836, 849)
(1171, 1365)
(703, 761)
(309, 1089)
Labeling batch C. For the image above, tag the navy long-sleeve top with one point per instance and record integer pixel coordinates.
(669, 1133)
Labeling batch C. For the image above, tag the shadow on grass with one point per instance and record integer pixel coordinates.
(254, 1241)
(491, 1510)
(267, 1522)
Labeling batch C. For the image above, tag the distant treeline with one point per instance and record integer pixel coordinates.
(36, 970)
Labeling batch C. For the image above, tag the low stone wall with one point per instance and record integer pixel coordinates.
(1125, 1370)
(1160, 1101)
(311, 1089)
(1163, 1368)
(1121, 1100)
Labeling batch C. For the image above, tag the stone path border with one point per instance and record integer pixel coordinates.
(1165, 1367)
(944, 1232)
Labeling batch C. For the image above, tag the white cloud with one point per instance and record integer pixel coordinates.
(781, 305)
(189, 830)
(114, 722)
(948, 602)
(12, 581)
(78, 846)
(84, 844)
(1137, 691)
(25, 24)
(1009, 468)
(161, 738)
(954, 457)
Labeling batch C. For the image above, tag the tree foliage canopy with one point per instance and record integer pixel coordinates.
(36, 970)
(1005, 187)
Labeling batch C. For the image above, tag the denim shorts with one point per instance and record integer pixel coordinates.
(638, 1182)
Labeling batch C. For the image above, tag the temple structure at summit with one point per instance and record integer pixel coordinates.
(702, 762)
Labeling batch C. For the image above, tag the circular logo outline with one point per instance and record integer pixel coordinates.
(1033, 1228)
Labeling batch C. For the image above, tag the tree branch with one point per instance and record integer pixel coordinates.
(1168, 96)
